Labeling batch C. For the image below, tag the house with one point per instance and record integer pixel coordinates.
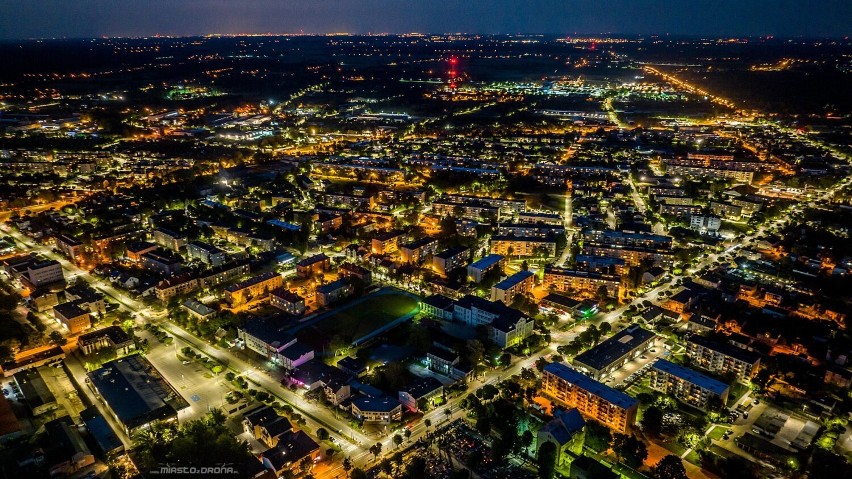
(352, 366)
(198, 310)
(288, 454)
(350, 271)
(420, 392)
(109, 337)
(265, 425)
(566, 431)
(66, 452)
(70, 247)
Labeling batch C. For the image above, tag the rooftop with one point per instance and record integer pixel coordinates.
(588, 384)
(513, 280)
(691, 376)
(134, 390)
(486, 261)
(615, 348)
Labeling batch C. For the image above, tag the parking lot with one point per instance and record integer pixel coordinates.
(634, 369)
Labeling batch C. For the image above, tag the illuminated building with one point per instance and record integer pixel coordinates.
(594, 400)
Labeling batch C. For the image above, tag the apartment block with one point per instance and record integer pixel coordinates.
(594, 400)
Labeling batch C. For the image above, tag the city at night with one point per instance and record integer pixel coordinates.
(396, 239)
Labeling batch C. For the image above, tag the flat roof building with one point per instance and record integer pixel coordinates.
(615, 352)
(687, 385)
(593, 399)
(521, 282)
(135, 393)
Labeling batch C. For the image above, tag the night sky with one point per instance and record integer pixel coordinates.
(95, 18)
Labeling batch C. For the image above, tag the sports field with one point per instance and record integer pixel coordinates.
(373, 312)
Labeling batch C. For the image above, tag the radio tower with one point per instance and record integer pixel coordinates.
(452, 74)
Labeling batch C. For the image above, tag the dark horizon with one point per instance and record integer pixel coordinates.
(54, 19)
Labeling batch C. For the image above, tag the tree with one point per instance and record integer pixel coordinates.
(652, 421)
(347, 465)
(427, 423)
(57, 338)
(483, 425)
(598, 437)
(376, 449)
(546, 460)
(397, 440)
(407, 434)
(358, 474)
(322, 434)
(669, 467)
(629, 450)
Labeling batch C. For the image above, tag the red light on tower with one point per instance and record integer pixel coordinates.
(453, 60)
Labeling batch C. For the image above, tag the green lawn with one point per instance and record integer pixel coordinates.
(718, 432)
(357, 320)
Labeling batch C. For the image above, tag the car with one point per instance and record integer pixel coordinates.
(186, 362)
(745, 415)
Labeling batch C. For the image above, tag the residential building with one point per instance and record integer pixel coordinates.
(532, 230)
(288, 454)
(417, 251)
(722, 358)
(377, 409)
(214, 277)
(521, 282)
(540, 218)
(479, 268)
(450, 259)
(169, 239)
(353, 271)
(313, 265)
(705, 224)
(206, 253)
(568, 280)
(592, 399)
(333, 292)
(266, 426)
(287, 301)
(257, 287)
(135, 249)
(162, 261)
(70, 247)
(523, 246)
(109, 337)
(72, 317)
(615, 352)
(632, 255)
(198, 310)
(386, 242)
(687, 385)
(66, 452)
(86, 297)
